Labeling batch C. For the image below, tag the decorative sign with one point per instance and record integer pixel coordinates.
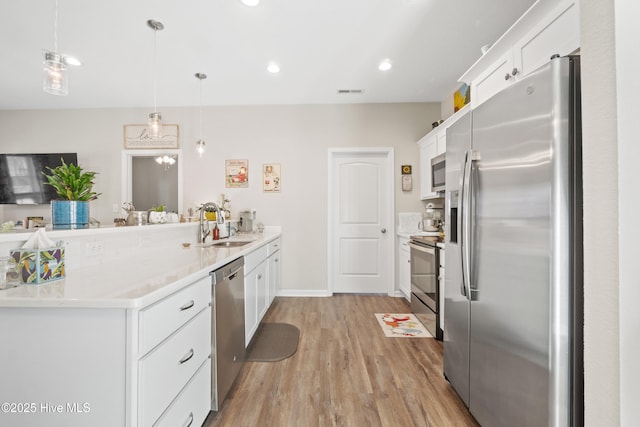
(236, 173)
(271, 178)
(407, 180)
(137, 136)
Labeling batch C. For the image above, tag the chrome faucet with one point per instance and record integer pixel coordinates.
(204, 224)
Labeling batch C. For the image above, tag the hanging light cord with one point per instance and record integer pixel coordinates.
(55, 29)
(200, 108)
(155, 70)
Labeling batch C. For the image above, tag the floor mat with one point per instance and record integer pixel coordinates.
(402, 326)
(273, 342)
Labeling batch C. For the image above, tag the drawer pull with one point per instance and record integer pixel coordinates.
(187, 306)
(189, 420)
(259, 276)
(187, 357)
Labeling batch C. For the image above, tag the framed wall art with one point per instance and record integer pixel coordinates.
(137, 137)
(236, 173)
(271, 178)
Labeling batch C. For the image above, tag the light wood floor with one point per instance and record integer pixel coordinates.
(345, 373)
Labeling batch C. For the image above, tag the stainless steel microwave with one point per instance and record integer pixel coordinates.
(438, 173)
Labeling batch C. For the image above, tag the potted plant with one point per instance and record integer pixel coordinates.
(157, 215)
(74, 187)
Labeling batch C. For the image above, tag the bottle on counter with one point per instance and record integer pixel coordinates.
(216, 232)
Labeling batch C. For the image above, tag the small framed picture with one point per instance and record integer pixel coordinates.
(271, 178)
(236, 173)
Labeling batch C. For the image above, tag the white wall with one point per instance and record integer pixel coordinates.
(601, 351)
(297, 137)
(628, 110)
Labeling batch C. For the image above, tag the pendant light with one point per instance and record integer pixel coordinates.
(200, 142)
(154, 126)
(55, 78)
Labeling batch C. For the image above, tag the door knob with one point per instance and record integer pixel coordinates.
(384, 230)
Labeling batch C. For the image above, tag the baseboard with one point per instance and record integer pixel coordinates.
(303, 293)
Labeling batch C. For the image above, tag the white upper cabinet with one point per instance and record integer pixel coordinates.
(431, 145)
(428, 150)
(548, 28)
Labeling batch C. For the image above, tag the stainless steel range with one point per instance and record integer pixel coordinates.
(425, 298)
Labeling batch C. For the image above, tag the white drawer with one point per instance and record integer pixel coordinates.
(161, 319)
(166, 370)
(192, 406)
(274, 246)
(252, 260)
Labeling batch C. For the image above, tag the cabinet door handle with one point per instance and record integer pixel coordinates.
(507, 76)
(187, 306)
(514, 71)
(189, 420)
(187, 357)
(259, 276)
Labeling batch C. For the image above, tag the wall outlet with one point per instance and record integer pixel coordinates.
(116, 208)
(94, 248)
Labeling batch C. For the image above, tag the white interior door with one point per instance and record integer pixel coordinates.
(361, 207)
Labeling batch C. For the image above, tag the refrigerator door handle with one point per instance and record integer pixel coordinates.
(472, 156)
(465, 226)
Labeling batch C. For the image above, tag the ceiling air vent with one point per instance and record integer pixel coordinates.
(347, 91)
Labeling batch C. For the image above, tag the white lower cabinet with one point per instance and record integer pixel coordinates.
(255, 291)
(165, 371)
(404, 267)
(275, 268)
(192, 404)
(261, 281)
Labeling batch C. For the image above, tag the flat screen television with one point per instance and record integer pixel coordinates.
(21, 179)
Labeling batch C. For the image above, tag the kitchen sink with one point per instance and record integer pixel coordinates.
(225, 244)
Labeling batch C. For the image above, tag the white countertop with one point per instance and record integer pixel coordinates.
(131, 282)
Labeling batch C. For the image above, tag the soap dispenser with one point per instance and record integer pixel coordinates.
(216, 232)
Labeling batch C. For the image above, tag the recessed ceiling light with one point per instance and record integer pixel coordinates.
(273, 68)
(250, 3)
(385, 65)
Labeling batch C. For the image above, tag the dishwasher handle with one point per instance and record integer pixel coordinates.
(233, 274)
(228, 271)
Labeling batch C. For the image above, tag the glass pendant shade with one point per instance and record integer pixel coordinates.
(200, 147)
(154, 126)
(55, 77)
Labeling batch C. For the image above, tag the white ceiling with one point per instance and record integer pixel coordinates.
(321, 45)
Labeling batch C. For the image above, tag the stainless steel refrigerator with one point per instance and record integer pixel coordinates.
(513, 281)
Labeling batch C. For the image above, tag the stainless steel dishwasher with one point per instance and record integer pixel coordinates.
(227, 329)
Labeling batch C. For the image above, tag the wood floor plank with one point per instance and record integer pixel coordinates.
(344, 373)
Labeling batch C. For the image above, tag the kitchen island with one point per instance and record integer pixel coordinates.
(124, 339)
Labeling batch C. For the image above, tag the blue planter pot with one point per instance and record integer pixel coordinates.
(69, 214)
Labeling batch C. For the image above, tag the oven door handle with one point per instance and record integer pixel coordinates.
(429, 250)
